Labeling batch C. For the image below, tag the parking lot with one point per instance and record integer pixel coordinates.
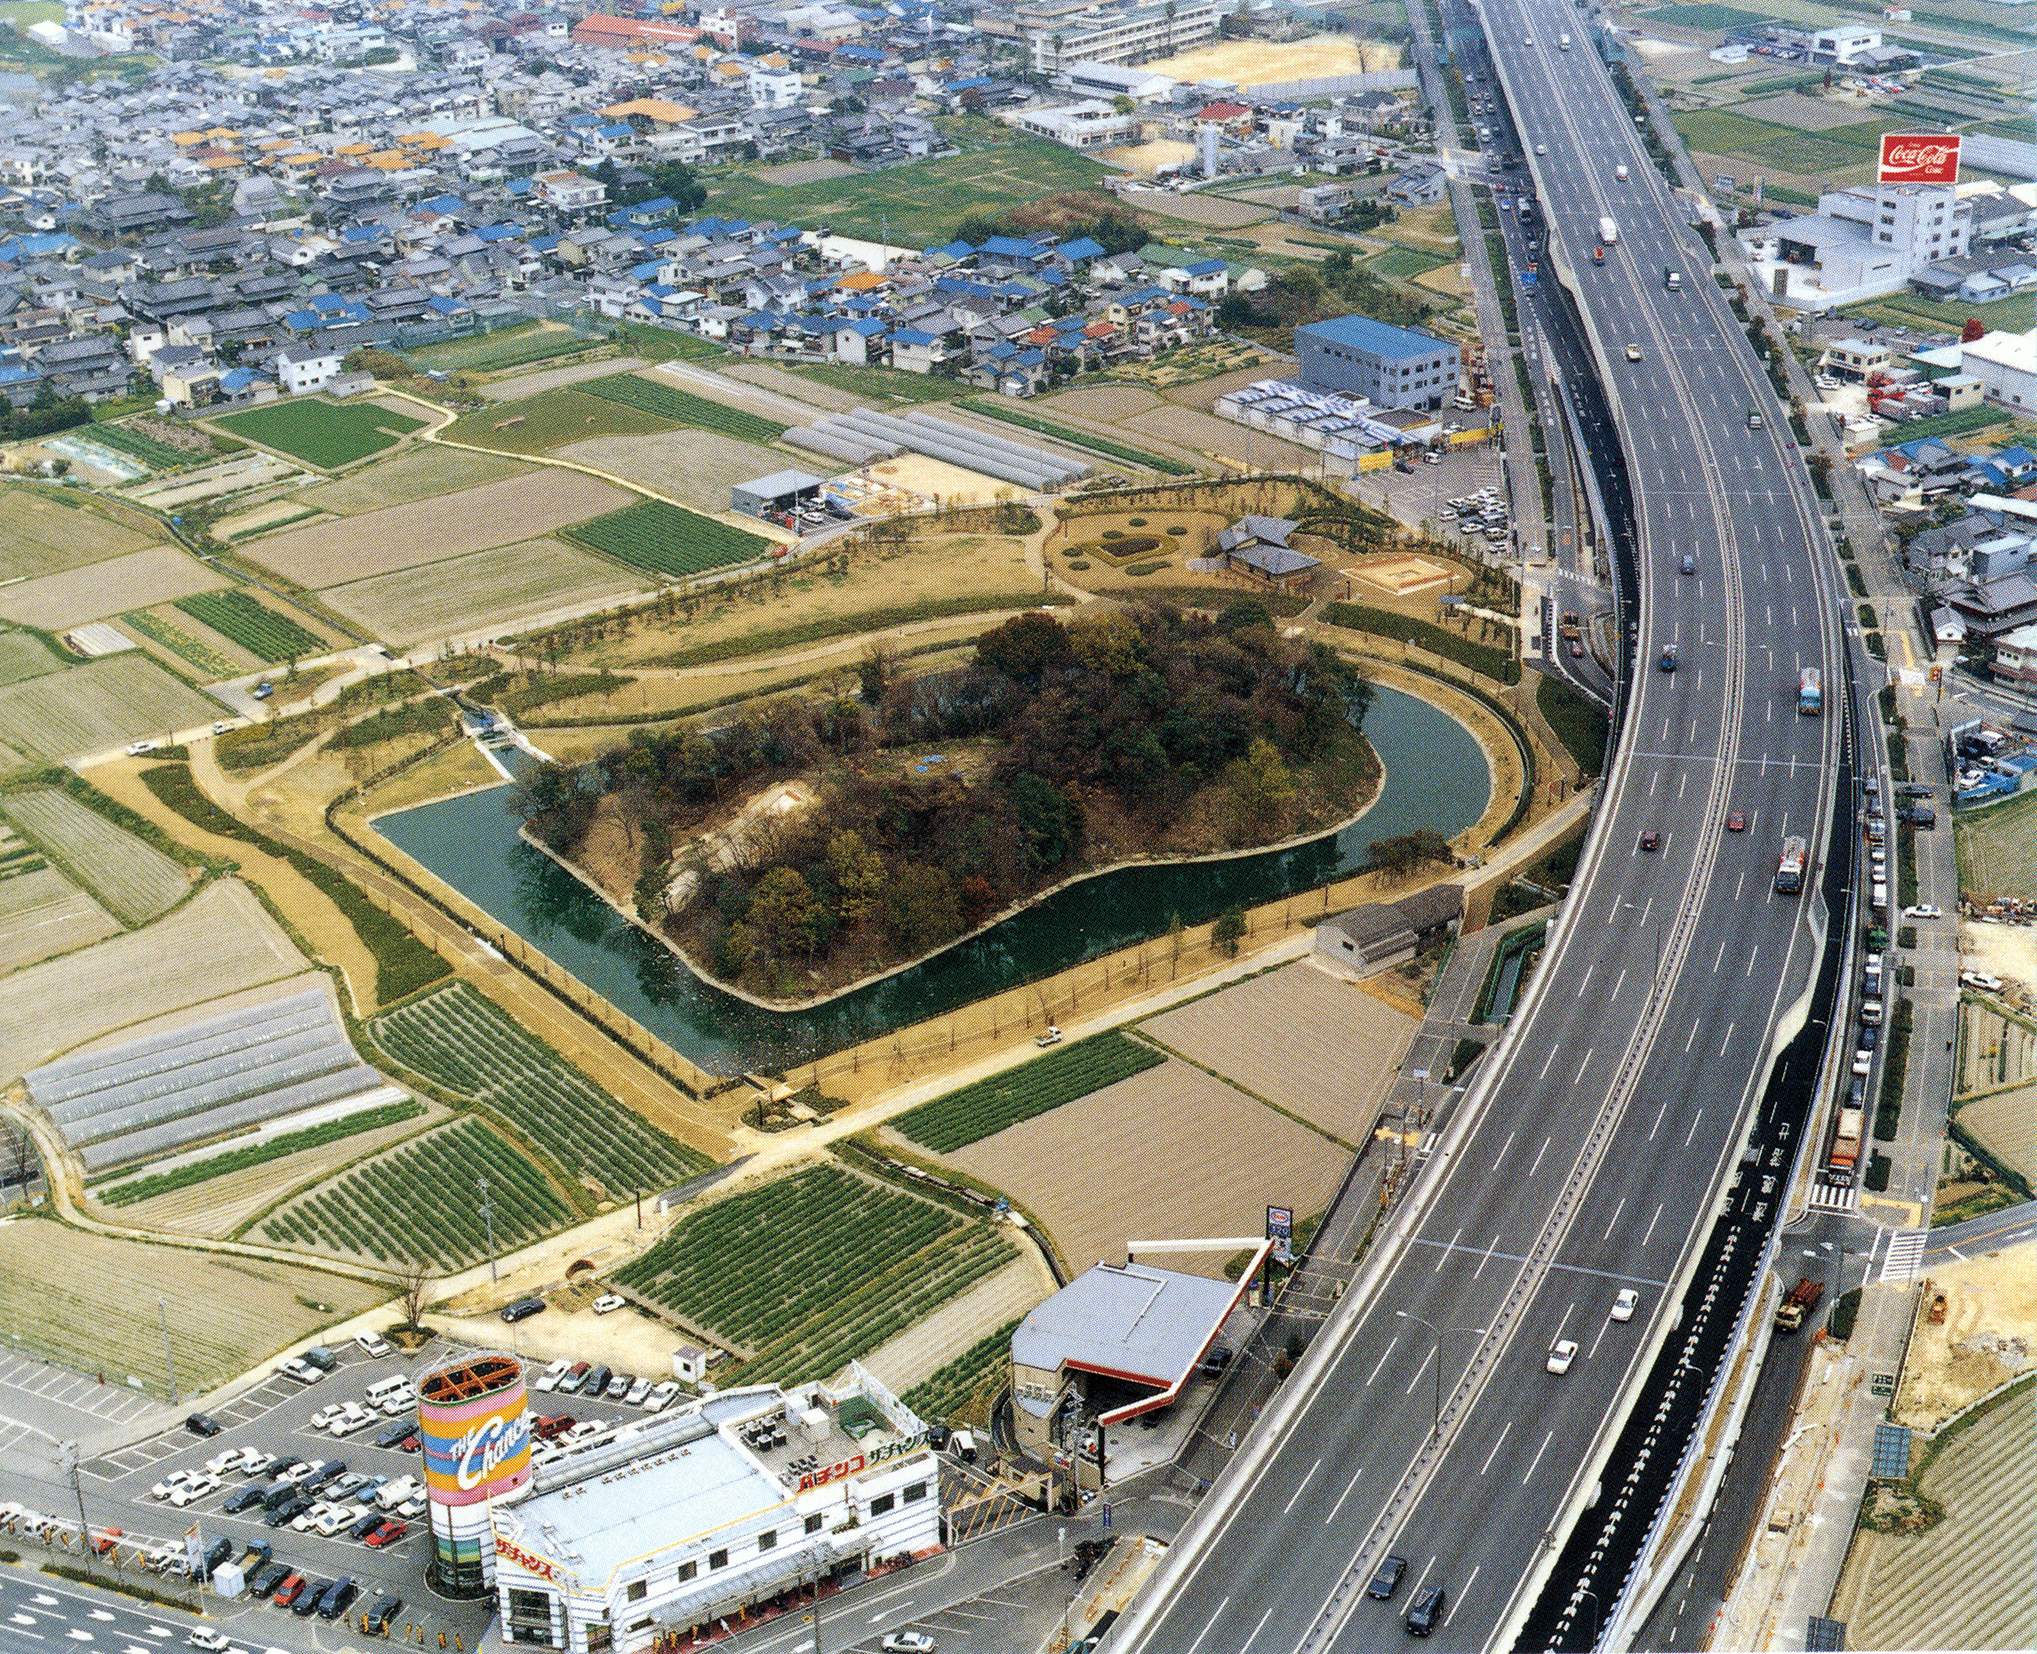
(39, 1399)
(270, 1424)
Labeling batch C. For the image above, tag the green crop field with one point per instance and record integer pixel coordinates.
(917, 205)
(814, 1269)
(325, 434)
(257, 1154)
(512, 347)
(668, 539)
(992, 408)
(683, 408)
(1769, 144)
(961, 1392)
(256, 627)
(420, 1203)
(1709, 18)
(977, 1111)
(461, 1040)
(197, 651)
(136, 445)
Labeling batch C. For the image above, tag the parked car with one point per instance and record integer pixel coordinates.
(298, 1368)
(394, 1433)
(576, 1375)
(386, 1534)
(170, 1483)
(377, 1619)
(336, 1598)
(662, 1396)
(523, 1309)
(366, 1524)
(549, 1378)
(202, 1424)
(307, 1600)
(617, 1387)
(289, 1589)
(373, 1345)
(608, 1303)
(638, 1392)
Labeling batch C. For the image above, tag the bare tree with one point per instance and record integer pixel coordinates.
(413, 1286)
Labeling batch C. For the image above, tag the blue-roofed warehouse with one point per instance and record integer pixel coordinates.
(1391, 367)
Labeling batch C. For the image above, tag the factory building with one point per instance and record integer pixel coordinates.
(1390, 367)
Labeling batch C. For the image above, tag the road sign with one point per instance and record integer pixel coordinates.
(1882, 1384)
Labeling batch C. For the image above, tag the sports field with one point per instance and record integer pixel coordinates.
(155, 574)
(325, 434)
(43, 532)
(104, 703)
(462, 593)
(444, 525)
(917, 205)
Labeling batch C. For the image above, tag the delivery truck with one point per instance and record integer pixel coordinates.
(1608, 231)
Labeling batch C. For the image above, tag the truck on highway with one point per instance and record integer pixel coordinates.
(1789, 868)
(1563, 42)
(1810, 692)
(1754, 421)
(1672, 279)
(1803, 1298)
(1608, 231)
(1844, 1160)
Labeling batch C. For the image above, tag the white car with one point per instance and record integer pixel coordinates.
(373, 1345)
(222, 1462)
(207, 1638)
(1561, 1354)
(549, 1378)
(1923, 910)
(322, 1419)
(411, 1508)
(908, 1642)
(608, 1303)
(298, 1472)
(172, 1482)
(1986, 981)
(637, 1392)
(137, 748)
(196, 1488)
(353, 1417)
(661, 1397)
(305, 1521)
(1624, 1302)
(399, 1401)
(298, 1368)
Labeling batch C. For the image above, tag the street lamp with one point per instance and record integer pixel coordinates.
(1586, 1591)
(1436, 1426)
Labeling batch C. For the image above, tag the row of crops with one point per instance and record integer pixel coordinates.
(814, 1269)
(683, 408)
(960, 1392)
(463, 1041)
(255, 626)
(668, 539)
(422, 1203)
(214, 663)
(139, 445)
(988, 1106)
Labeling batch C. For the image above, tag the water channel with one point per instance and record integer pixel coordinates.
(1436, 777)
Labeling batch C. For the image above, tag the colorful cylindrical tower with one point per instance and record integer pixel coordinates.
(475, 1430)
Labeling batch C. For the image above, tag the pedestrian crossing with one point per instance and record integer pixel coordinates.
(1904, 1253)
(1827, 1198)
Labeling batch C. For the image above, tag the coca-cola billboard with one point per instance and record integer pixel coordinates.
(1919, 158)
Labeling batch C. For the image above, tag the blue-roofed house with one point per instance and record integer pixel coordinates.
(1077, 255)
(917, 352)
(857, 341)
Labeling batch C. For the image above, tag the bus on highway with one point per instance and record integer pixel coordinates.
(1810, 692)
(1789, 870)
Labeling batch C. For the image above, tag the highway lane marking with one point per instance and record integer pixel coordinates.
(1693, 1127)
(1356, 1476)
(1657, 1218)
(1497, 1444)
(1207, 1629)
(1261, 1626)
(1546, 1061)
(1451, 1246)
(1300, 1486)
(1659, 1116)
(1383, 1357)
(1463, 1591)
(1500, 1159)
(1485, 1257)
(1544, 1149)
(1536, 1461)
(1617, 1210)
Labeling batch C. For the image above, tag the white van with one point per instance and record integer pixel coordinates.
(385, 1391)
(1880, 896)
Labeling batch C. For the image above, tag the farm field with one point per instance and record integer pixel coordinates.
(1172, 1177)
(394, 1210)
(325, 434)
(156, 574)
(968, 569)
(103, 703)
(24, 655)
(1032, 1087)
(136, 880)
(44, 532)
(425, 471)
(463, 1041)
(506, 347)
(538, 423)
(461, 593)
(202, 648)
(433, 527)
(243, 619)
(1307, 1042)
(41, 913)
(668, 539)
(851, 1263)
(220, 1206)
(917, 205)
(217, 943)
(998, 1301)
(694, 467)
(75, 1297)
(683, 408)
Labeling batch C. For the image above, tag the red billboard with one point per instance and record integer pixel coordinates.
(1919, 158)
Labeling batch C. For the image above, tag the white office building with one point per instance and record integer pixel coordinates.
(1860, 244)
(671, 1523)
(1062, 33)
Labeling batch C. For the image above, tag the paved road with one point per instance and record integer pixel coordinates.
(1596, 1142)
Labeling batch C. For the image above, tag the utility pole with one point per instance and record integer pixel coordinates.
(67, 1461)
(170, 1366)
(488, 1218)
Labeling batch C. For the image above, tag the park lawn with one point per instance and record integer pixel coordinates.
(325, 434)
(914, 206)
(537, 424)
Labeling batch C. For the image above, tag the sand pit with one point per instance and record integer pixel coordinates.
(1149, 158)
(1267, 62)
(2008, 951)
(1400, 575)
(1989, 1335)
(936, 479)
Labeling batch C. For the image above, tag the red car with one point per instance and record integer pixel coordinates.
(410, 1444)
(1576, 650)
(288, 1591)
(387, 1534)
(552, 1425)
(1736, 823)
(1651, 840)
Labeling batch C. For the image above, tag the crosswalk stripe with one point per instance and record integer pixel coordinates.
(1903, 1255)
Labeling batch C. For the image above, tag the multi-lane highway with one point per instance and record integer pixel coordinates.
(1599, 1144)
